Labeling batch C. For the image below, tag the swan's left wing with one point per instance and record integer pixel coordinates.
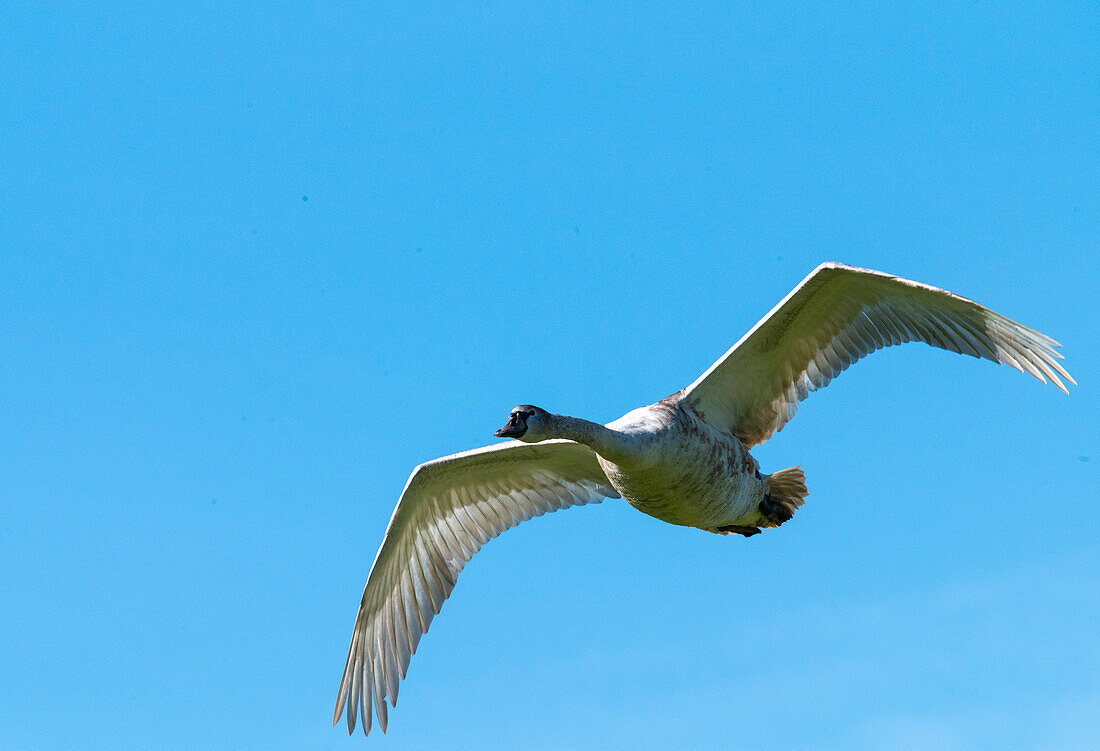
(837, 315)
(450, 508)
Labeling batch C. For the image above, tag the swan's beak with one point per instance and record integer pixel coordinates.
(514, 428)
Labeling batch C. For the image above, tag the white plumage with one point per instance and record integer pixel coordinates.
(450, 508)
(684, 459)
(837, 315)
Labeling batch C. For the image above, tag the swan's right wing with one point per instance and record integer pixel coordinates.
(449, 509)
(837, 315)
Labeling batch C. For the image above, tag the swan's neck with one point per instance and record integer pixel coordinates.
(608, 443)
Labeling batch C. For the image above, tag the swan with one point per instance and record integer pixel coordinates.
(684, 460)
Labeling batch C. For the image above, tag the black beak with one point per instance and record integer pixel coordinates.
(514, 428)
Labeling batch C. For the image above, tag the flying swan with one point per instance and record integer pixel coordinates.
(684, 460)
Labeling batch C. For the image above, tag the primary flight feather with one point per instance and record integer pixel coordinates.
(683, 460)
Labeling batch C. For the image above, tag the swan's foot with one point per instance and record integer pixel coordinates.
(776, 513)
(746, 531)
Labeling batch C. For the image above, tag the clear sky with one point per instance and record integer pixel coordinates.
(258, 260)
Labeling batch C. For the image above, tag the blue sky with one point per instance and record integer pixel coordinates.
(256, 262)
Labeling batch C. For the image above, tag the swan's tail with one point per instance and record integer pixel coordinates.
(785, 493)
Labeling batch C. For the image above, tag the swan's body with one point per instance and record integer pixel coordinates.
(684, 460)
(683, 471)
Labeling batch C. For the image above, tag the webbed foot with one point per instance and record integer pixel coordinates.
(776, 513)
(746, 531)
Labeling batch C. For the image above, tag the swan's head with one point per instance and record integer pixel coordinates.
(526, 423)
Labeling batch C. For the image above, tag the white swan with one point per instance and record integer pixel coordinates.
(684, 460)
